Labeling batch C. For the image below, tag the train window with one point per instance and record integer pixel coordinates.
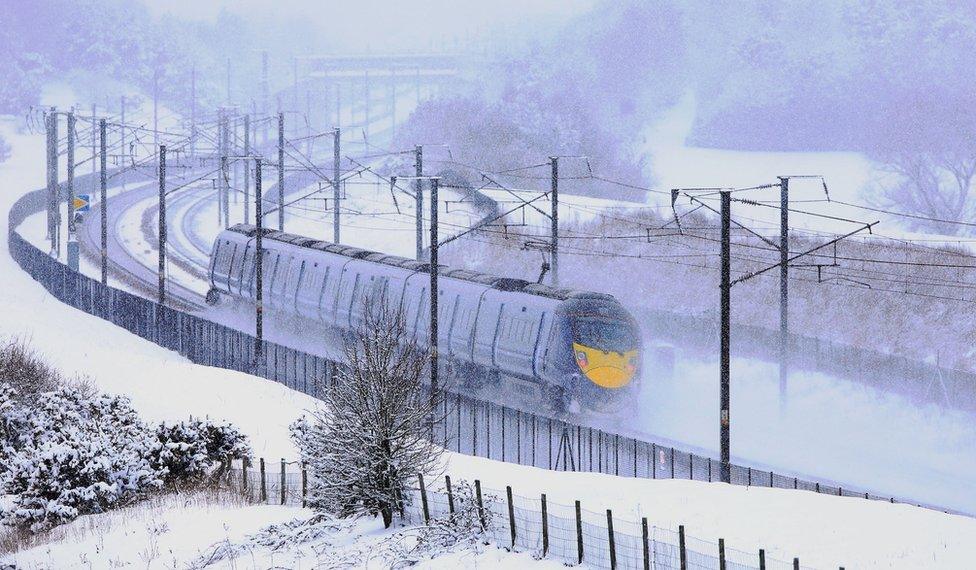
(323, 285)
(296, 283)
(605, 334)
(355, 304)
(270, 270)
(240, 268)
(230, 266)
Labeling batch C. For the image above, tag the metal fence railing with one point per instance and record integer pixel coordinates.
(570, 533)
(470, 426)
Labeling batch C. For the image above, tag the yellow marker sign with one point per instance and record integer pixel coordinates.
(81, 203)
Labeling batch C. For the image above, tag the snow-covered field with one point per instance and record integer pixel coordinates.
(831, 428)
(203, 531)
(823, 531)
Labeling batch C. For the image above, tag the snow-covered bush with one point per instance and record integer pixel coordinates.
(468, 525)
(72, 455)
(189, 453)
(8, 406)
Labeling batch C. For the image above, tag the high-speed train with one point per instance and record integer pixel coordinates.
(572, 350)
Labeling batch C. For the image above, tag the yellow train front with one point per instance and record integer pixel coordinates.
(597, 357)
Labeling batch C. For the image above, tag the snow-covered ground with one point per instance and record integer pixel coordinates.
(850, 177)
(830, 428)
(823, 531)
(204, 531)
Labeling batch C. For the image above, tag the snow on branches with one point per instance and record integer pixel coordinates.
(74, 455)
(372, 435)
(68, 452)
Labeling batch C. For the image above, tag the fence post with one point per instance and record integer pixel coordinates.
(423, 498)
(283, 481)
(304, 486)
(653, 461)
(545, 527)
(511, 514)
(682, 554)
(450, 495)
(762, 559)
(796, 564)
(721, 554)
(481, 505)
(616, 455)
(750, 476)
(264, 489)
(644, 544)
(244, 465)
(610, 538)
(635, 457)
(579, 532)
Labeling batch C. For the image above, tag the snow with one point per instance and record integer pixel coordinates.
(831, 429)
(190, 531)
(850, 177)
(823, 531)
(166, 532)
(161, 384)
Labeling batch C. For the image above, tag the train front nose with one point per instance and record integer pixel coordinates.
(606, 369)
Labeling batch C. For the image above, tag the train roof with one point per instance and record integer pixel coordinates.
(494, 281)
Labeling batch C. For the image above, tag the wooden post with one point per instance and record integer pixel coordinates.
(450, 495)
(511, 514)
(762, 559)
(283, 481)
(545, 527)
(610, 538)
(304, 486)
(682, 553)
(264, 488)
(481, 504)
(721, 554)
(579, 532)
(796, 564)
(244, 465)
(645, 544)
(423, 499)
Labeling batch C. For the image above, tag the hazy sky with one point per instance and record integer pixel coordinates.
(389, 23)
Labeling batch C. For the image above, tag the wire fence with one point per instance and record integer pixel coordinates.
(469, 426)
(570, 533)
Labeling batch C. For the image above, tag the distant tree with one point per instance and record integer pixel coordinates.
(372, 435)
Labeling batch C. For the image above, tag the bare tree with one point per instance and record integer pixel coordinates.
(935, 185)
(372, 436)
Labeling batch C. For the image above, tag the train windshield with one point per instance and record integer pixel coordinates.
(611, 336)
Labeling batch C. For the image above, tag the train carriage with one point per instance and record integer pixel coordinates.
(572, 349)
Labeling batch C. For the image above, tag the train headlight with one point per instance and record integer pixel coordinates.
(581, 359)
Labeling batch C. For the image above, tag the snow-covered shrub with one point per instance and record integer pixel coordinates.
(189, 453)
(8, 407)
(468, 525)
(74, 455)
